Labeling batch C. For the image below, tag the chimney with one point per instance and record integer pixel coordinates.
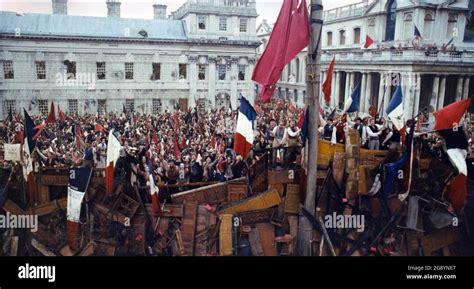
(59, 7)
(159, 11)
(113, 8)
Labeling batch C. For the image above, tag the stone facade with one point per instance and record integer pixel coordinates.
(98, 64)
(435, 77)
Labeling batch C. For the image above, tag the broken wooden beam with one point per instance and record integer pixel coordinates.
(262, 201)
(189, 227)
(225, 236)
(48, 208)
(41, 248)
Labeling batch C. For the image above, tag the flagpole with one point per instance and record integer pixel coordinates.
(313, 71)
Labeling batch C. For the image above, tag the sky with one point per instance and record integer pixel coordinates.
(267, 9)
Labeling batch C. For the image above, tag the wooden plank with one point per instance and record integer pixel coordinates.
(266, 234)
(41, 248)
(253, 217)
(262, 201)
(213, 194)
(179, 243)
(338, 166)
(205, 223)
(66, 251)
(255, 244)
(189, 227)
(292, 201)
(293, 223)
(13, 246)
(440, 239)
(283, 177)
(279, 187)
(43, 195)
(13, 208)
(169, 211)
(236, 192)
(88, 250)
(225, 236)
(113, 216)
(49, 207)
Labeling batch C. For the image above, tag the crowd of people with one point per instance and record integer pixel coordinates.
(183, 147)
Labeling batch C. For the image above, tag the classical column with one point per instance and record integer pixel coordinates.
(465, 93)
(417, 88)
(233, 82)
(333, 90)
(435, 93)
(251, 85)
(408, 95)
(368, 94)
(338, 88)
(381, 94)
(321, 94)
(192, 78)
(362, 92)
(212, 80)
(459, 88)
(347, 91)
(442, 91)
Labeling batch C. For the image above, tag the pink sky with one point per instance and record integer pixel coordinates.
(267, 9)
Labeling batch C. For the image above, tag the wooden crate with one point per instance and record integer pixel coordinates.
(225, 236)
(262, 201)
(188, 227)
(253, 217)
(292, 201)
(212, 194)
(283, 177)
(236, 192)
(266, 234)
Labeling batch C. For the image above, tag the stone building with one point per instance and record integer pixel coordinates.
(202, 54)
(428, 75)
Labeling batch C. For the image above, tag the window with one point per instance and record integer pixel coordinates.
(221, 70)
(289, 69)
(183, 69)
(8, 69)
(128, 70)
(452, 25)
(202, 19)
(156, 106)
(342, 37)
(156, 71)
(100, 70)
(223, 23)
(43, 107)
(70, 69)
(428, 24)
(9, 105)
(295, 94)
(202, 72)
(243, 25)
(72, 106)
(101, 106)
(371, 27)
(298, 68)
(242, 69)
(329, 38)
(391, 20)
(408, 26)
(40, 70)
(130, 105)
(356, 35)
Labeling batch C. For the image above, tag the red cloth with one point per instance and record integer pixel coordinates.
(289, 36)
(99, 128)
(109, 179)
(456, 192)
(301, 120)
(176, 150)
(52, 114)
(62, 115)
(368, 41)
(292, 107)
(327, 85)
(450, 116)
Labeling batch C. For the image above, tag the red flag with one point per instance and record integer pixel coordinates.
(40, 129)
(301, 120)
(368, 41)
(78, 137)
(109, 178)
(456, 192)
(51, 115)
(450, 116)
(373, 111)
(99, 127)
(62, 115)
(176, 150)
(289, 36)
(327, 85)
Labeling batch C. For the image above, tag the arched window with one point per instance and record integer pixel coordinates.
(408, 29)
(357, 35)
(329, 38)
(428, 25)
(289, 71)
(342, 37)
(391, 20)
(452, 25)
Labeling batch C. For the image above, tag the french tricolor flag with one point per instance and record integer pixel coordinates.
(395, 110)
(243, 138)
